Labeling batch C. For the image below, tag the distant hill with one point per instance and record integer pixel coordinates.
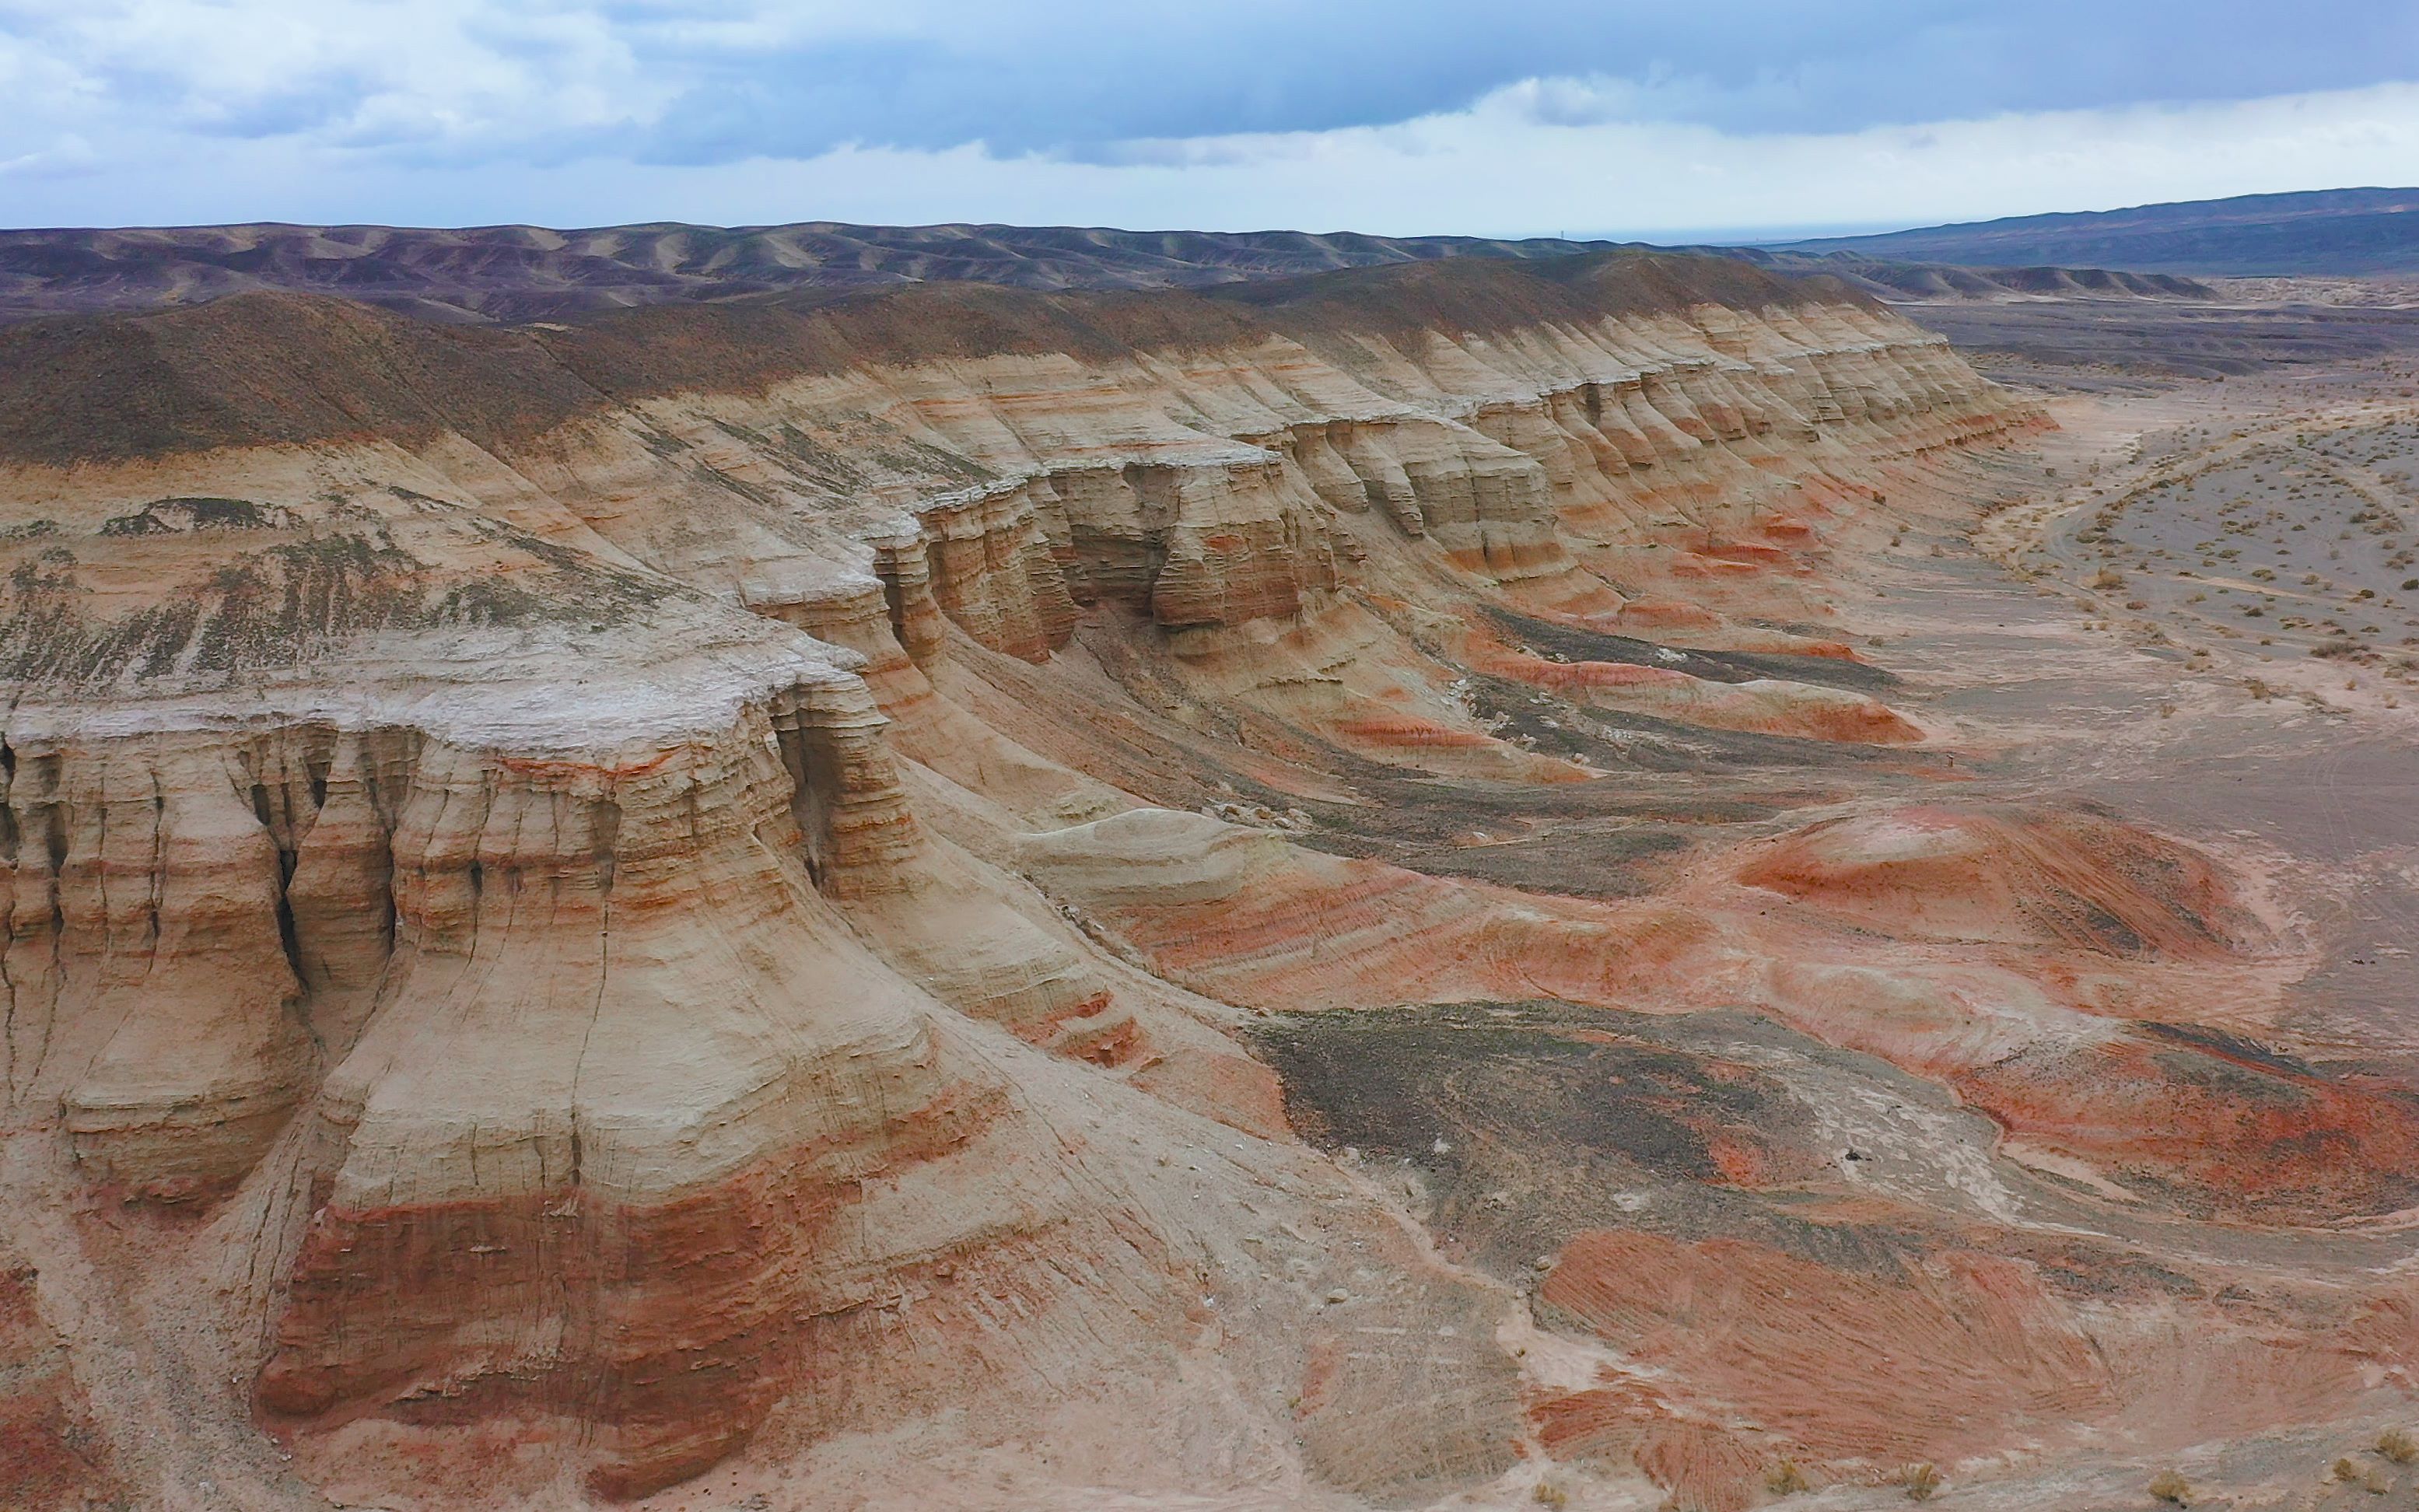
(1901, 282)
(514, 273)
(2339, 231)
(511, 274)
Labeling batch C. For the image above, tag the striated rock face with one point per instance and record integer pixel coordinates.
(504, 1126)
(668, 905)
(150, 911)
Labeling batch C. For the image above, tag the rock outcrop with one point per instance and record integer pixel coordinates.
(612, 900)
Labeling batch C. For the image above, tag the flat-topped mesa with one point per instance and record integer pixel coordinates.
(1195, 457)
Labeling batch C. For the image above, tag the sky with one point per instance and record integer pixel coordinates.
(1680, 120)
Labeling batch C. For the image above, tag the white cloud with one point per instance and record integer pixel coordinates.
(338, 72)
(1494, 169)
(1504, 165)
(460, 112)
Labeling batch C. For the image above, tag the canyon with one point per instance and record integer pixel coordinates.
(1479, 882)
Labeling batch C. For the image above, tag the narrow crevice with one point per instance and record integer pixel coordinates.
(603, 843)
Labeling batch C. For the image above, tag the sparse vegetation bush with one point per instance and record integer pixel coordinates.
(1922, 1481)
(1551, 1493)
(1786, 1479)
(2171, 1488)
(2398, 1445)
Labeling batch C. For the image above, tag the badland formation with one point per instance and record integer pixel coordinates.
(1595, 879)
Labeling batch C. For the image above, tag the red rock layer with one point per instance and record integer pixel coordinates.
(53, 1456)
(1947, 1360)
(2067, 878)
(2221, 1127)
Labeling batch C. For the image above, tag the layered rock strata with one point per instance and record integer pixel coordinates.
(525, 847)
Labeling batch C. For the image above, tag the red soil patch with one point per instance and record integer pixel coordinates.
(2225, 1127)
(1697, 564)
(2071, 878)
(52, 1456)
(1957, 1357)
(1409, 732)
(1332, 934)
(1752, 552)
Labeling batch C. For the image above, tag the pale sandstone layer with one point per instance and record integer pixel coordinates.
(601, 904)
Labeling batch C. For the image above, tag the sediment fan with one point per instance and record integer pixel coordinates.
(687, 896)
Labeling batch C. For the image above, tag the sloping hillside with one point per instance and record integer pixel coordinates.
(2324, 231)
(525, 272)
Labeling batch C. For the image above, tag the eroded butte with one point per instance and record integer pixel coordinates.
(1448, 884)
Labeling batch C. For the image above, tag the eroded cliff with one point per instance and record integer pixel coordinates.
(589, 906)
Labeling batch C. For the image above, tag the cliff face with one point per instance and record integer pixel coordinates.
(566, 888)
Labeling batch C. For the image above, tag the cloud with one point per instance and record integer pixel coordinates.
(1413, 115)
(1497, 167)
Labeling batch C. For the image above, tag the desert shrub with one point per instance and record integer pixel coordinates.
(1922, 1481)
(2171, 1488)
(1786, 1479)
(2398, 1445)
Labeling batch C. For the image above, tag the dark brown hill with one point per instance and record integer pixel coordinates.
(519, 273)
(269, 368)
